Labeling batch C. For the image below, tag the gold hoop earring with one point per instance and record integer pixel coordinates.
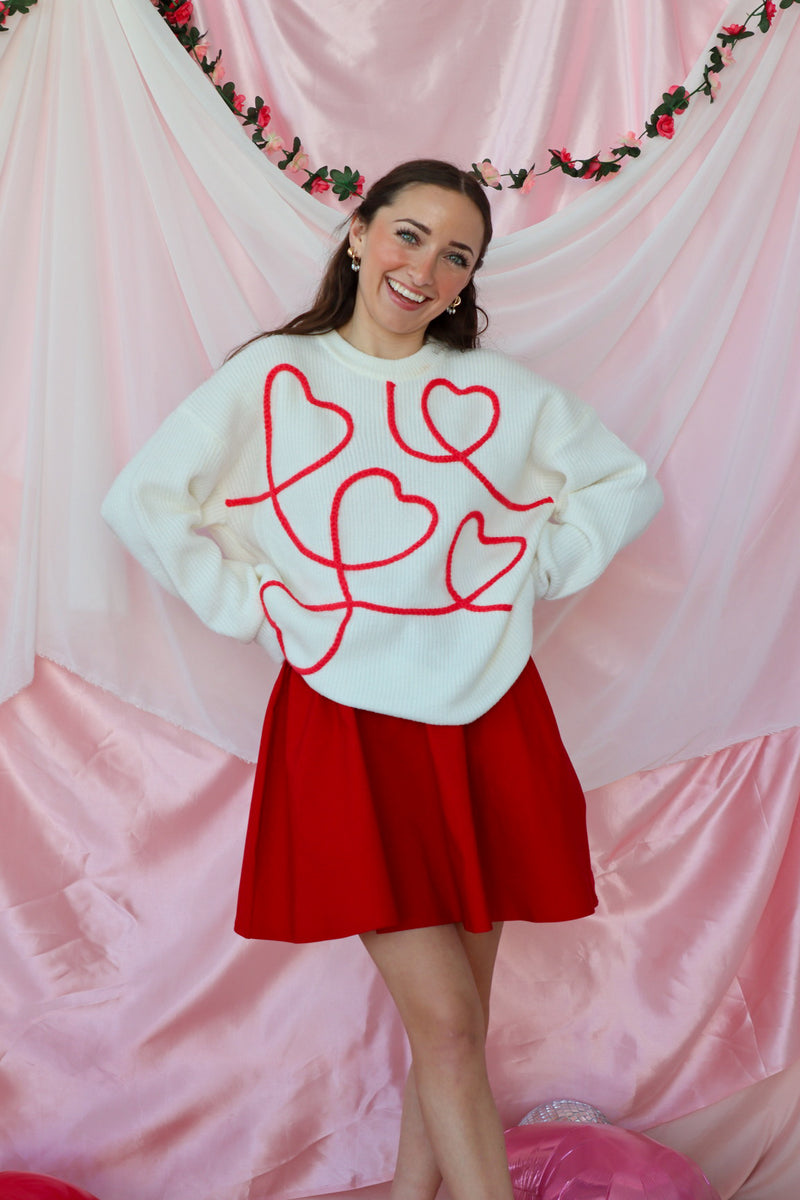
(355, 261)
(452, 306)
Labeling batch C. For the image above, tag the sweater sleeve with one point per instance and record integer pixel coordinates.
(607, 498)
(160, 505)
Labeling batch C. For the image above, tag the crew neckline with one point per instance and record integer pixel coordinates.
(370, 364)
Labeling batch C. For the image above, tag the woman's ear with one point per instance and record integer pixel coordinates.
(356, 235)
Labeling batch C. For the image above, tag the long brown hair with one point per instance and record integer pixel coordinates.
(336, 296)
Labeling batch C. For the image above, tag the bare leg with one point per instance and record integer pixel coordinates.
(417, 1175)
(440, 979)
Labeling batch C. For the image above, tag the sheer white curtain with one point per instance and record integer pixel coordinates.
(666, 296)
(141, 237)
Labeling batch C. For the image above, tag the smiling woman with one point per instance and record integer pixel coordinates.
(382, 503)
(457, 211)
(415, 256)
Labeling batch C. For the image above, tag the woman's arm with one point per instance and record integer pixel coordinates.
(607, 498)
(161, 502)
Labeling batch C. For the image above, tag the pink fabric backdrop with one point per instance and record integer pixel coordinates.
(147, 1055)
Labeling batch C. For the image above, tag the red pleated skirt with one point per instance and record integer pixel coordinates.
(362, 821)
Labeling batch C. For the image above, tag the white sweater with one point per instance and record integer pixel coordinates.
(383, 524)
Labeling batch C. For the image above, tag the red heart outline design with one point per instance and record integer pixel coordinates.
(454, 451)
(485, 540)
(274, 488)
(453, 454)
(401, 497)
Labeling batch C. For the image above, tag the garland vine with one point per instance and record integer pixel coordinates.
(8, 8)
(347, 181)
(661, 122)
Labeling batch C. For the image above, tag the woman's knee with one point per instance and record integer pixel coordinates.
(449, 1031)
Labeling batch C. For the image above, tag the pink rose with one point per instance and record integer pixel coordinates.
(263, 116)
(238, 101)
(629, 139)
(218, 73)
(360, 186)
(715, 81)
(273, 141)
(666, 126)
(299, 162)
(527, 183)
(319, 185)
(770, 10)
(200, 50)
(181, 15)
(564, 155)
(727, 56)
(733, 30)
(489, 173)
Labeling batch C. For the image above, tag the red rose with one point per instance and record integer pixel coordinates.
(319, 185)
(733, 30)
(263, 116)
(592, 169)
(666, 126)
(238, 101)
(564, 155)
(181, 15)
(769, 11)
(360, 186)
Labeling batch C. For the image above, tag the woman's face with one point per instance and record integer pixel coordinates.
(416, 255)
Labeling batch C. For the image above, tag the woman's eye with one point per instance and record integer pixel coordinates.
(459, 260)
(407, 235)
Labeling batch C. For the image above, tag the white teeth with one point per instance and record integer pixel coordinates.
(404, 291)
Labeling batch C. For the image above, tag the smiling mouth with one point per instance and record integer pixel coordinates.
(406, 293)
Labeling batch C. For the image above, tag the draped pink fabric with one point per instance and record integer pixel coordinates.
(149, 1053)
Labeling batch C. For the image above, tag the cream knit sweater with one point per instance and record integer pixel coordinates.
(385, 525)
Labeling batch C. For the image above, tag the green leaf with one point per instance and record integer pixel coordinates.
(764, 24)
(519, 177)
(674, 99)
(345, 183)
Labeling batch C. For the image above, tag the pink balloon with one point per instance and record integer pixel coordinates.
(21, 1185)
(560, 1161)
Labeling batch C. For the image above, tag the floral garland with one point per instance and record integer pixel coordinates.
(661, 122)
(348, 181)
(344, 183)
(9, 7)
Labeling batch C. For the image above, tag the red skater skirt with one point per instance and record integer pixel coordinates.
(362, 821)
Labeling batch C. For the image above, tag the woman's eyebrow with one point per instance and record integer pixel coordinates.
(424, 229)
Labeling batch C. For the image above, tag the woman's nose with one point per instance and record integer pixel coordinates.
(422, 268)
